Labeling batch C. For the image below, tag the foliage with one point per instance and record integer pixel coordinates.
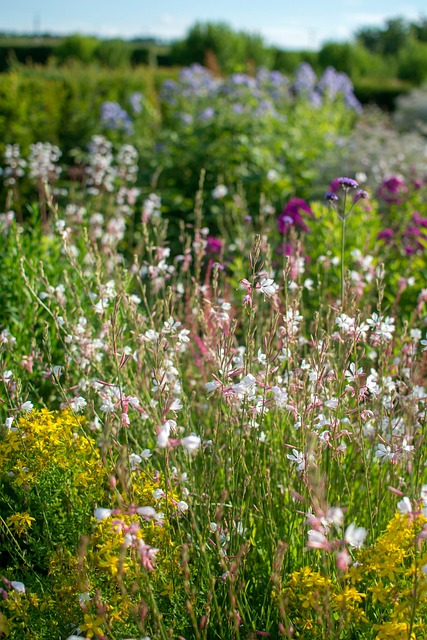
(77, 47)
(64, 105)
(231, 50)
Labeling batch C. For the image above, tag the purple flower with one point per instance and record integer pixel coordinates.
(392, 190)
(348, 183)
(331, 196)
(360, 195)
(213, 245)
(113, 116)
(291, 215)
(385, 234)
(334, 186)
(416, 217)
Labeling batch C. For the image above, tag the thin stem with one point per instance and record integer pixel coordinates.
(343, 221)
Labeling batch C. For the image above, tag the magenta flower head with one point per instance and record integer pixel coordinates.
(335, 185)
(385, 234)
(213, 245)
(392, 190)
(418, 219)
(292, 216)
(347, 183)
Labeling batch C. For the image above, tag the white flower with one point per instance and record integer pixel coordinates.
(355, 536)
(182, 506)
(317, 540)
(134, 460)
(77, 404)
(351, 374)
(163, 435)
(27, 406)
(332, 403)
(298, 458)
(261, 357)
(404, 506)
(146, 454)
(8, 422)
(146, 512)
(219, 192)
(191, 443)
(211, 386)
(18, 586)
(176, 405)
(268, 287)
(345, 323)
(384, 453)
(102, 514)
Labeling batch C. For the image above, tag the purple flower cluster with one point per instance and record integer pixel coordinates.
(113, 116)
(264, 94)
(393, 190)
(331, 85)
(292, 216)
(413, 238)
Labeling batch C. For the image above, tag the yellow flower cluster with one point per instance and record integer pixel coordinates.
(44, 440)
(395, 583)
(382, 596)
(318, 604)
(52, 478)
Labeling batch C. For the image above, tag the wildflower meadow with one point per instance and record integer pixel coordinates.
(213, 355)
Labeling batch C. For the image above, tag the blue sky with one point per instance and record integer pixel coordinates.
(290, 24)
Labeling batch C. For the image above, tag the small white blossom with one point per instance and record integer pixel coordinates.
(19, 587)
(404, 506)
(298, 458)
(102, 514)
(191, 443)
(355, 536)
(268, 287)
(77, 404)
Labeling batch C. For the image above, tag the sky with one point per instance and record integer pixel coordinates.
(290, 24)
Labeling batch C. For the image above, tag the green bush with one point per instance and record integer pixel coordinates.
(218, 43)
(413, 63)
(77, 47)
(63, 104)
(114, 53)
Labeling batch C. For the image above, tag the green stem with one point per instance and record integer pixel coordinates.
(343, 220)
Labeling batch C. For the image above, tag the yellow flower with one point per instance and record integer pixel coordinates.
(20, 522)
(92, 626)
(393, 631)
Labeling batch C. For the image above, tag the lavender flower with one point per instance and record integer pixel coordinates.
(331, 196)
(348, 183)
(113, 116)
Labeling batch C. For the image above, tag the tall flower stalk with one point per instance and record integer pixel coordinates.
(340, 205)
